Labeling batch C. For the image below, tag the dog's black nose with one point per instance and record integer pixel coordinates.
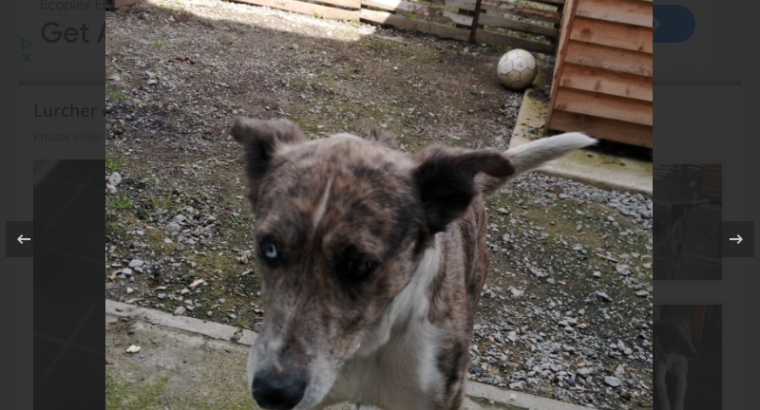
(278, 390)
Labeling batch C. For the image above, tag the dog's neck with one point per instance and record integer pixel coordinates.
(410, 304)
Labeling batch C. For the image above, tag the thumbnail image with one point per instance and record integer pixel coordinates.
(687, 221)
(688, 357)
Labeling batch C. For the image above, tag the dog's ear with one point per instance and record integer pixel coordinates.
(445, 181)
(261, 139)
(382, 136)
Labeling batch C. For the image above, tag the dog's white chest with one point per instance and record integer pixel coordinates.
(400, 354)
(405, 366)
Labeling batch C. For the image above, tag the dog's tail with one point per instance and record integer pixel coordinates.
(532, 155)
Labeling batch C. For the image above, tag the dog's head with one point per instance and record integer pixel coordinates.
(342, 224)
(675, 336)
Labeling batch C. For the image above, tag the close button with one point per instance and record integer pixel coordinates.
(673, 24)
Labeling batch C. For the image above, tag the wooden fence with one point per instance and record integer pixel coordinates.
(603, 74)
(532, 26)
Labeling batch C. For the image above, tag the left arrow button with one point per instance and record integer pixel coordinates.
(19, 237)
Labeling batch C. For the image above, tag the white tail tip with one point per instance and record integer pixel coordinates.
(535, 153)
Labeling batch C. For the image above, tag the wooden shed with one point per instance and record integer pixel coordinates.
(602, 81)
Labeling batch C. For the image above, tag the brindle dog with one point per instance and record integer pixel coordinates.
(372, 262)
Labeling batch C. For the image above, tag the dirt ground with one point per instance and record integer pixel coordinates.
(178, 368)
(179, 233)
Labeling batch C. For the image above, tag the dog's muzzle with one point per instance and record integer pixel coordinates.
(278, 390)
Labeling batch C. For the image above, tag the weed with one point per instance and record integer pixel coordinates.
(496, 49)
(115, 94)
(163, 204)
(115, 163)
(121, 201)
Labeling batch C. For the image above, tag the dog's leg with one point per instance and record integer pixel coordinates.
(681, 370)
(660, 386)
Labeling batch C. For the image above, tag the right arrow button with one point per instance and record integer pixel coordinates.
(738, 239)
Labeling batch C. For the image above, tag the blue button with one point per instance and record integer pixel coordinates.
(673, 24)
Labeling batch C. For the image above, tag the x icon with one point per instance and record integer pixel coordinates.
(27, 58)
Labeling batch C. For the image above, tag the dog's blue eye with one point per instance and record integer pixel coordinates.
(270, 251)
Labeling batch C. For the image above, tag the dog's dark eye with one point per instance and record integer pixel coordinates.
(353, 269)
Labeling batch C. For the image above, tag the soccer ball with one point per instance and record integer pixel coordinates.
(517, 69)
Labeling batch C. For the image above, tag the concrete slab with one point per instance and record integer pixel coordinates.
(188, 363)
(602, 171)
(500, 398)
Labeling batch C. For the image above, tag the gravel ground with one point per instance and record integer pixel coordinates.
(566, 312)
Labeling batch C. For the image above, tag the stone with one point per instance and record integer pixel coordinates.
(115, 179)
(623, 269)
(173, 228)
(612, 381)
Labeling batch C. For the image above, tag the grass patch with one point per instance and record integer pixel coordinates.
(121, 201)
(115, 163)
(164, 203)
(115, 94)
(496, 49)
(146, 396)
(114, 231)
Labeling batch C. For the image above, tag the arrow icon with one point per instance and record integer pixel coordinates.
(25, 44)
(738, 239)
(21, 239)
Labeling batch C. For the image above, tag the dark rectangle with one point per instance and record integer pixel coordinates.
(688, 210)
(699, 83)
(688, 349)
(18, 239)
(65, 83)
(738, 239)
(69, 343)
